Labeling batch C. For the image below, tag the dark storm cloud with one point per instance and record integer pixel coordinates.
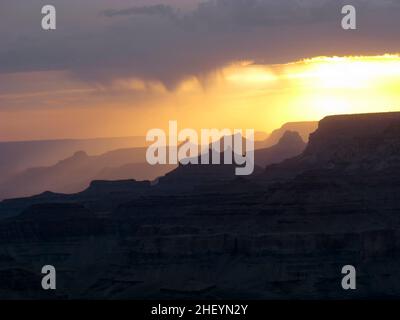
(162, 42)
(160, 9)
(254, 12)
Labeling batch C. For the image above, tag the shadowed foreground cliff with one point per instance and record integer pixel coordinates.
(283, 233)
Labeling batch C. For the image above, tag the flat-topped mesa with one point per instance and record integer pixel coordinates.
(345, 136)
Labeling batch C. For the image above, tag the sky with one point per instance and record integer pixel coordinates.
(123, 67)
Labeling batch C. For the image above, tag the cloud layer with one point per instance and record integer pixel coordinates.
(165, 42)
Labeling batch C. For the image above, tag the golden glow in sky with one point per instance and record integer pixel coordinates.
(266, 96)
(241, 95)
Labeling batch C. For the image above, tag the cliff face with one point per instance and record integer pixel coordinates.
(286, 237)
(352, 138)
(351, 165)
(347, 143)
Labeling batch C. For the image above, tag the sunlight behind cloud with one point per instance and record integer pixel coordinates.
(346, 72)
(240, 95)
(248, 74)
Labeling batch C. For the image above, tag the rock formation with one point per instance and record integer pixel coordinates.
(284, 233)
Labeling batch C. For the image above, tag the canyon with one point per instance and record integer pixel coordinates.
(284, 232)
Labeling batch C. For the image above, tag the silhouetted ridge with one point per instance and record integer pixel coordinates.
(291, 138)
(289, 145)
(264, 238)
(101, 186)
(349, 143)
(75, 173)
(303, 128)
